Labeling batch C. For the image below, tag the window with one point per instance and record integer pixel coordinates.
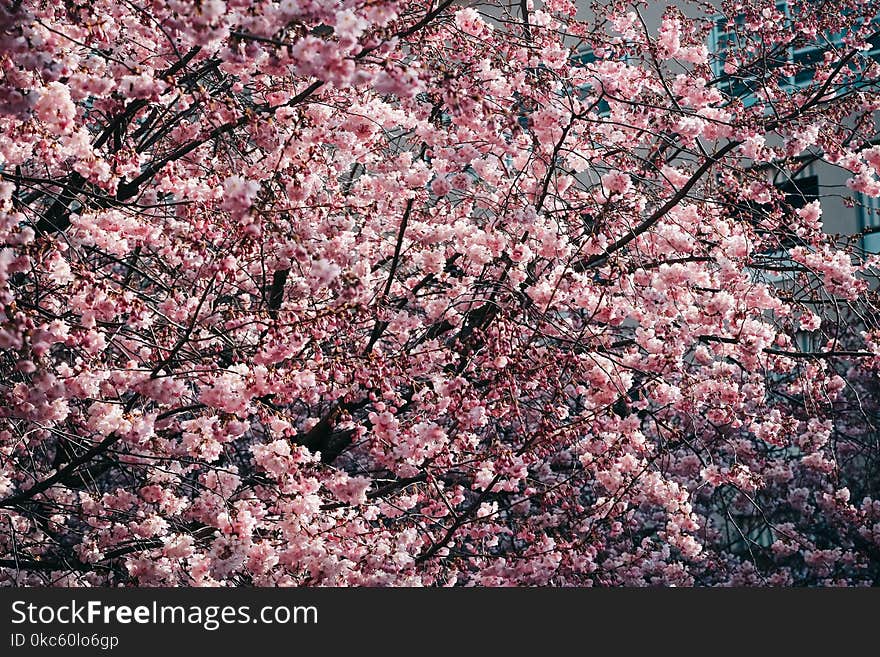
(776, 266)
(869, 222)
(583, 58)
(805, 57)
(723, 39)
(796, 194)
(801, 191)
(806, 342)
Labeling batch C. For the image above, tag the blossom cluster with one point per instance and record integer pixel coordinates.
(387, 292)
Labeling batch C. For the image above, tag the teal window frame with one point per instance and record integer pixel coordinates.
(869, 217)
(582, 58)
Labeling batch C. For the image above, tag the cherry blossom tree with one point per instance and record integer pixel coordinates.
(423, 292)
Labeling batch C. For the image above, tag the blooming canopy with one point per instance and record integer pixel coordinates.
(395, 292)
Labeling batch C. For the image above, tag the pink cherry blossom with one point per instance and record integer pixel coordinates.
(396, 293)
